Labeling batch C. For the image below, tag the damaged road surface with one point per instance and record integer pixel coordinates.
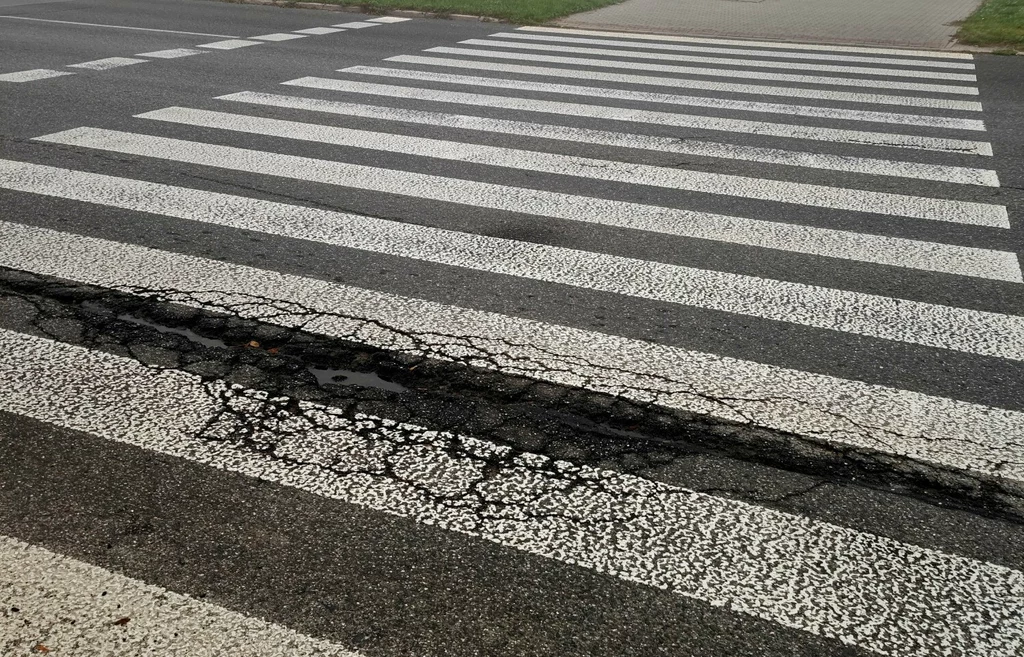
(355, 335)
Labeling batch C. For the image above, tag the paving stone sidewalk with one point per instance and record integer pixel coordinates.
(916, 23)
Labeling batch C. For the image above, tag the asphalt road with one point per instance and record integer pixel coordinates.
(710, 349)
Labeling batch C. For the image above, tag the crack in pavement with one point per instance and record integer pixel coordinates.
(539, 374)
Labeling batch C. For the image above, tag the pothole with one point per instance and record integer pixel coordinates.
(324, 375)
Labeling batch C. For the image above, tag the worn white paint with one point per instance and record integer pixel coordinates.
(945, 432)
(358, 25)
(70, 606)
(230, 44)
(884, 596)
(931, 54)
(735, 50)
(172, 53)
(905, 85)
(700, 122)
(723, 61)
(490, 254)
(198, 205)
(278, 36)
(632, 95)
(576, 135)
(821, 196)
(692, 83)
(32, 75)
(319, 30)
(406, 239)
(108, 63)
(960, 329)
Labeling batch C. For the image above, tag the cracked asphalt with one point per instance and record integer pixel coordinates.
(327, 419)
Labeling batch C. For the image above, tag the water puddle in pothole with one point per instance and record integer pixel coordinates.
(191, 336)
(352, 378)
(323, 375)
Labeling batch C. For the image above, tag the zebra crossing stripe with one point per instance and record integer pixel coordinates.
(882, 595)
(723, 61)
(229, 44)
(687, 83)
(198, 205)
(33, 75)
(676, 47)
(314, 31)
(700, 122)
(108, 63)
(904, 85)
(836, 198)
(930, 325)
(932, 54)
(73, 604)
(836, 113)
(466, 250)
(279, 36)
(944, 432)
(358, 25)
(173, 53)
(918, 170)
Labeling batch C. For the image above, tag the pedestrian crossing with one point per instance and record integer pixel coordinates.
(751, 74)
(668, 99)
(72, 603)
(965, 175)
(649, 116)
(848, 243)
(624, 526)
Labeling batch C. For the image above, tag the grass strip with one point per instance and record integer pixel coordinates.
(525, 12)
(996, 23)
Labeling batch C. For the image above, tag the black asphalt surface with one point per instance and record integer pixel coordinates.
(389, 586)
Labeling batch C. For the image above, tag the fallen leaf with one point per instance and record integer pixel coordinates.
(122, 621)
(254, 344)
(272, 350)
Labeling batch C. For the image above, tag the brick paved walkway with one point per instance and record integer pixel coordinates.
(919, 23)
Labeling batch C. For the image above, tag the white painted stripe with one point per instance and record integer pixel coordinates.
(945, 432)
(959, 329)
(70, 606)
(673, 99)
(832, 57)
(117, 27)
(173, 53)
(480, 252)
(836, 198)
(873, 592)
(471, 251)
(278, 36)
(700, 122)
(108, 63)
(724, 61)
(388, 19)
(320, 30)
(683, 83)
(934, 54)
(938, 172)
(410, 242)
(32, 75)
(356, 25)
(230, 44)
(936, 430)
(904, 85)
